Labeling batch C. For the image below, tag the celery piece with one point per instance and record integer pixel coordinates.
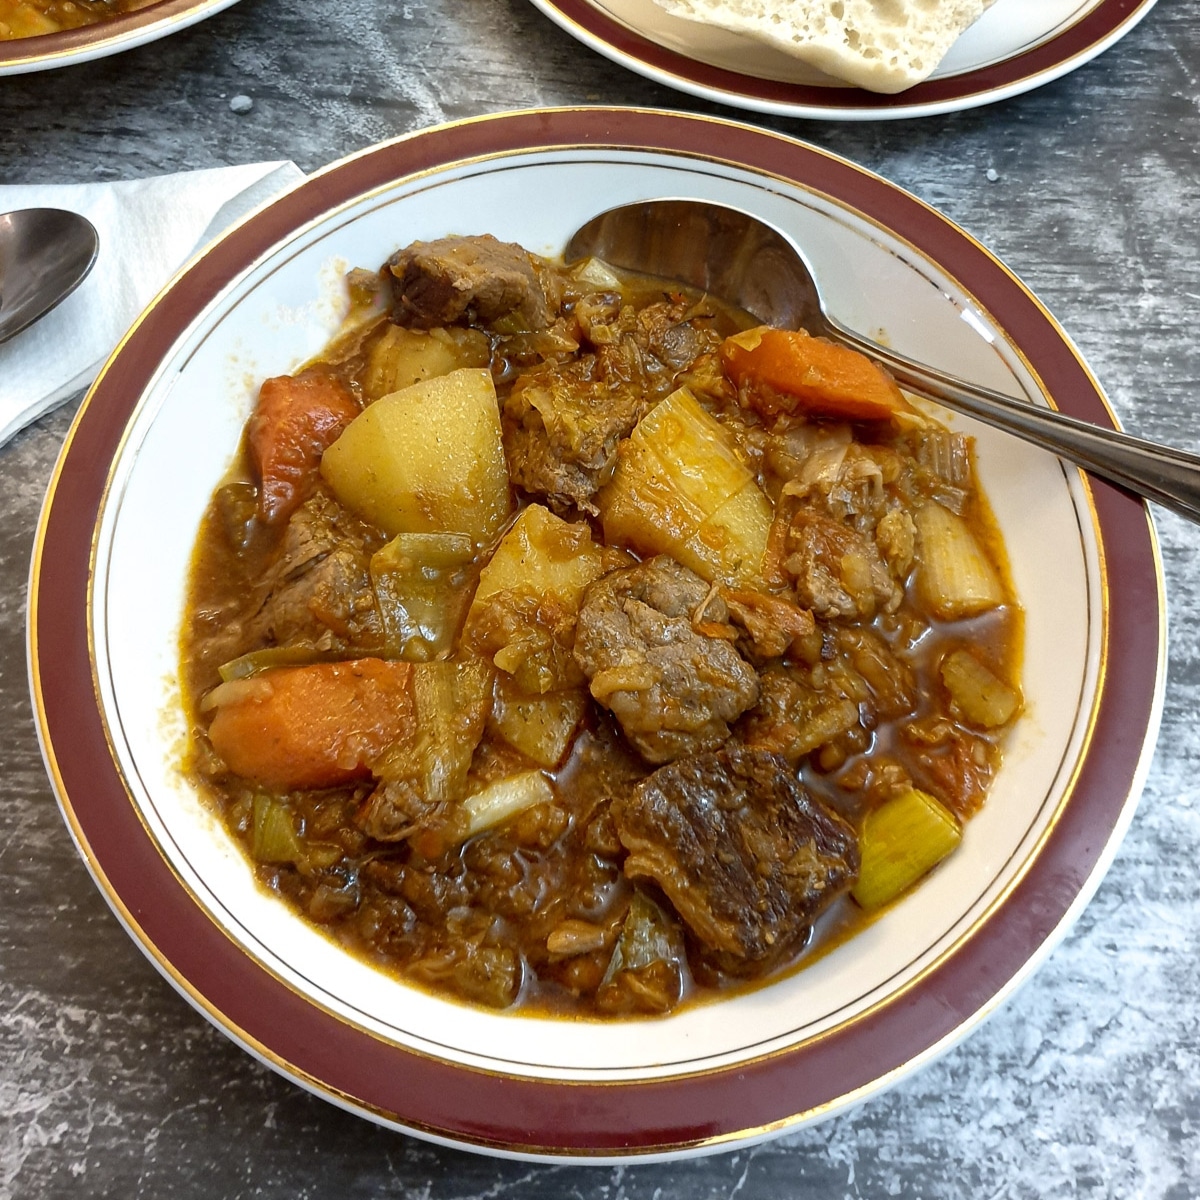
(902, 840)
(976, 694)
(273, 836)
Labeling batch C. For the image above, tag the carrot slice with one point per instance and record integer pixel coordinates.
(313, 726)
(786, 370)
(296, 418)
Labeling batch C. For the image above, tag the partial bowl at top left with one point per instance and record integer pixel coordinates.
(68, 47)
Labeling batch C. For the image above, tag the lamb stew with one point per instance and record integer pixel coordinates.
(562, 640)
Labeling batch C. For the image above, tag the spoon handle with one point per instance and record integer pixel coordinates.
(1167, 476)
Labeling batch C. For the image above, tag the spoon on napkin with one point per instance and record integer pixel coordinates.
(747, 262)
(45, 254)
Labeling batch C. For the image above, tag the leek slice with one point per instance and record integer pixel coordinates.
(901, 841)
(451, 702)
(955, 578)
(246, 665)
(503, 799)
(418, 581)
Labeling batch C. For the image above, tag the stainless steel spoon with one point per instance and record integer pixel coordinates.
(45, 254)
(746, 262)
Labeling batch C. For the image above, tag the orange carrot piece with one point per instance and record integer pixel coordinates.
(785, 370)
(313, 726)
(296, 418)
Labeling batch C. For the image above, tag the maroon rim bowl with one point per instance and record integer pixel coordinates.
(67, 47)
(160, 426)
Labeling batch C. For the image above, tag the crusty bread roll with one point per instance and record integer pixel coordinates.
(882, 45)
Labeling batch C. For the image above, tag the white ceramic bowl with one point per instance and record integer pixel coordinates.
(161, 426)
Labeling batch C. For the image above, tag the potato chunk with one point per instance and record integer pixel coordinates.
(541, 727)
(426, 459)
(542, 554)
(524, 610)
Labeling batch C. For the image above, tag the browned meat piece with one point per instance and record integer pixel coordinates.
(793, 718)
(674, 687)
(563, 421)
(396, 809)
(676, 333)
(475, 279)
(772, 625)
(838, 572)
(744, 852)
(561, 430)
(319, 589)
(859, 684)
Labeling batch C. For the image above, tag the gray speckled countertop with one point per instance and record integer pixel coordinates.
(1087, 1083)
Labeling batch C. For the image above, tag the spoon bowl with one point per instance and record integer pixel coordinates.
(45, 254)
(749, 263)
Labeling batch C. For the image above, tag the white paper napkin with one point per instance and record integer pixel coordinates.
(148, 229)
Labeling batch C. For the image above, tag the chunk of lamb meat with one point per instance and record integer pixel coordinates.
(651, 641)
(466, 279)
(837, 571)
(319, 590)
(561, 426)
(747, 856)
(676, 332)
(563, 421)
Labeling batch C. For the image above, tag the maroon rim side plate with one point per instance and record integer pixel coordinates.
(1037, 44)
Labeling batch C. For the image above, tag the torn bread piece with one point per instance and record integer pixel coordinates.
(881, 45)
